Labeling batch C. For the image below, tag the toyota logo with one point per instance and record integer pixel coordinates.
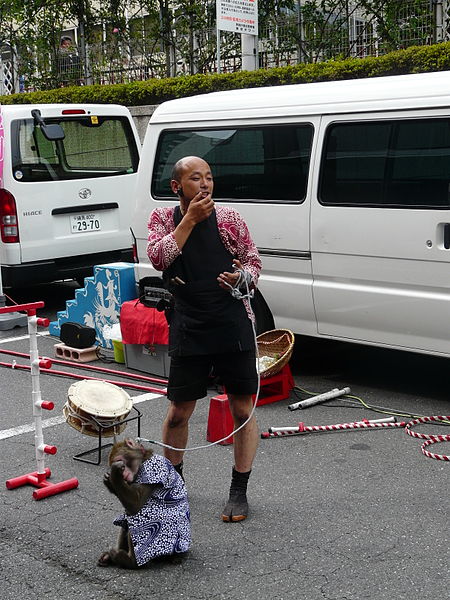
(84, 193)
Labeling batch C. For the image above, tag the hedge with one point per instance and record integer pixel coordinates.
(415, 59)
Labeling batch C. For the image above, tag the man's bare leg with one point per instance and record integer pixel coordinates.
(176, 430)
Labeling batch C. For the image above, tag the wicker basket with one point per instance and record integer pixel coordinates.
(277, 343)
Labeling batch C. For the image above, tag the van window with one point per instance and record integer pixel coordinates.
(92, 147)
(393, 164)
(260, 164)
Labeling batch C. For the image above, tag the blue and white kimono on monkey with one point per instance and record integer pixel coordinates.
(162, 526)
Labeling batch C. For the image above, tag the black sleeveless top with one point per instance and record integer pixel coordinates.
(206, 318)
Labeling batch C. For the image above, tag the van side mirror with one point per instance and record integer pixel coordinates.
(53, 132)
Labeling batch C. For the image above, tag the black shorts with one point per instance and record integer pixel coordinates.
(189, 375)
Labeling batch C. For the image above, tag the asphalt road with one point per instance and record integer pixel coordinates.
(349, 515)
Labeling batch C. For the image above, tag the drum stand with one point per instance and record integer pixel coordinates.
(101, 428)
(38, 478)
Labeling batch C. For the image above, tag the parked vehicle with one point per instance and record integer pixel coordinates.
(345, 187)
(67, 180)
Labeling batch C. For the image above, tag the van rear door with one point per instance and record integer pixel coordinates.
(74, 196)
(381, 231)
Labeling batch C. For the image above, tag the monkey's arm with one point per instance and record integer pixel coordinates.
(133, 496)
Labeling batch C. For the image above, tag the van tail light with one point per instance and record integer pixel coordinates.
(134, 246)
(73, 111)
(9, 227)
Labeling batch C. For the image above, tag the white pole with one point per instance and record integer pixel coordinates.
(218, 50)
(36, 394)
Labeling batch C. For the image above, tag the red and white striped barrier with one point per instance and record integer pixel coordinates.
(302, 429)
(430, 438)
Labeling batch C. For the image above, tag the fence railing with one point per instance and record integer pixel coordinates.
(288, 41)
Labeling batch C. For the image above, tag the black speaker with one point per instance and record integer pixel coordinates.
(77, 336)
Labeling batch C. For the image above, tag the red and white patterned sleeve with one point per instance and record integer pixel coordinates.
(162, 248)
(236, 237)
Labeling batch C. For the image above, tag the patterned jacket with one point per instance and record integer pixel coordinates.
(162, 248)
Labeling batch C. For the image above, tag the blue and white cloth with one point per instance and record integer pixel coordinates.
(162, 527)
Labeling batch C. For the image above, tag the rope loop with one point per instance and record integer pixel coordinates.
(429, 438)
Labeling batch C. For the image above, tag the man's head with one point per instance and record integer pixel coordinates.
(191, 175)
(66, 42)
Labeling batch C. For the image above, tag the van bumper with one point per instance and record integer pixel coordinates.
(71, 267)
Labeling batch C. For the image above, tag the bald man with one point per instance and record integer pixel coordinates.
(203, 251)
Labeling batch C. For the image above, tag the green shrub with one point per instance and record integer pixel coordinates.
(416, 59)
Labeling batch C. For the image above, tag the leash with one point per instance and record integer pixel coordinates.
(244, 279)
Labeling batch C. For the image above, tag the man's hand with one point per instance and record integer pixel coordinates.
(230, 278)
(200, 207)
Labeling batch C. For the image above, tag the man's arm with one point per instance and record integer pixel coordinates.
(166, 242)
(198, 210)
(236, 236)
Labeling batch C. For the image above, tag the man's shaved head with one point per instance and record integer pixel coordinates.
(182, 164)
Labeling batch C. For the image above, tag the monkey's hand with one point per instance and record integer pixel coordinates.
(107, 482)
(116, 475)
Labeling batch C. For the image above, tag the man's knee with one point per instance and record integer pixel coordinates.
(178, 414)
(241, 408)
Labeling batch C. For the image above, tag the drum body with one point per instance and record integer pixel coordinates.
(94, 405)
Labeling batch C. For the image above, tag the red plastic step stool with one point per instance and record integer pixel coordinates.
(220, 421)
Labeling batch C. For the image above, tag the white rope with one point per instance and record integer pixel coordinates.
(236, 293)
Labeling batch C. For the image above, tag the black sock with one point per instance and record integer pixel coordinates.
(179, 469)
(239, 482)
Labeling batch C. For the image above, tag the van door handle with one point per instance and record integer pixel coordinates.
(447, 236)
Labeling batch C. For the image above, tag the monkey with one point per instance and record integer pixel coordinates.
(156, 521)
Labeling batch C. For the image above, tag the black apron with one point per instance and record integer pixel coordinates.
(206, 319)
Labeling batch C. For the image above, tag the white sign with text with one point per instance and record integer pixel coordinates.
(239, 16)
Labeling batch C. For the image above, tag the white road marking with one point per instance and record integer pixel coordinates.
(21, 337)
(8, 433)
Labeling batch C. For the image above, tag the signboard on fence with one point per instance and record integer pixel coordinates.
(239, 16)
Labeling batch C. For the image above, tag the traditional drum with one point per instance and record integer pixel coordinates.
(106, 402)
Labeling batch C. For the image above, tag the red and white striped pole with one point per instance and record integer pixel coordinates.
(301, 428)
(430, 439)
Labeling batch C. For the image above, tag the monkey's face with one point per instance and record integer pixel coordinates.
(129, 465)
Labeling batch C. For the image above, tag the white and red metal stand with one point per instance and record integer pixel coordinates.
(39, 477)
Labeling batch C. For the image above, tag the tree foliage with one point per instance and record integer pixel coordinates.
(162, 38)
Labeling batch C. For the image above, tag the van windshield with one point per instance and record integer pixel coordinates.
(93, 146)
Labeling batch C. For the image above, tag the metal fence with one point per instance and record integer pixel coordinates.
(297, 37)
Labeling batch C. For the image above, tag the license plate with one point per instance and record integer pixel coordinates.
(85, 223)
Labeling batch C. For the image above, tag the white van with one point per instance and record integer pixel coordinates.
(67, 181)
(345, 187)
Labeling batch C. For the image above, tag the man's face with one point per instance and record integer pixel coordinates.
(196, 177)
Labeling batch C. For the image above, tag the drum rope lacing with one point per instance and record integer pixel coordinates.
(87, 423)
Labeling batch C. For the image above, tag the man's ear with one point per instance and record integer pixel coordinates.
(175, 186)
